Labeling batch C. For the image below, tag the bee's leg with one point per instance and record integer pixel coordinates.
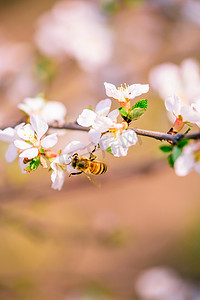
(75, 173)
(92, 156)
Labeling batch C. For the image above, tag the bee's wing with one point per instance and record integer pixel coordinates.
(92, 180)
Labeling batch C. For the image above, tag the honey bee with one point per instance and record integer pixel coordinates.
(87, 165)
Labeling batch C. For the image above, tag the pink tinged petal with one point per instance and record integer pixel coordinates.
(11, 153)
(137, 89)
(54, 110)
(173, 104)
(39, 125)
(113, 115)
(73, 147)
(189, 114)
(26, 132)
(49, 141)
(103, 107)
(22, 145)
(7, 134)
(94, 136)
(29, 153)
(86, 118)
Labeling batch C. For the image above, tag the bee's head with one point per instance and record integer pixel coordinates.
(74, 160)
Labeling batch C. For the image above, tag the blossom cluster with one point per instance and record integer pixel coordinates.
(108, 130)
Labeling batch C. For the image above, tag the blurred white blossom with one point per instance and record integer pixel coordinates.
(75, 29)
(191, 10)
(188, 160)
(183, 80)
(162, 283)
(50, 110)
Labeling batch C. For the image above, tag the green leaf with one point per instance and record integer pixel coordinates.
(136, 113)
(170, 160)
(166, 148)
(182, 143)
(123, 112)
(34, 164)
(176, 152)
(141, 104)
(109, 150)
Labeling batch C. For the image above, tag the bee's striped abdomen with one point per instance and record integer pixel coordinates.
(97, 168)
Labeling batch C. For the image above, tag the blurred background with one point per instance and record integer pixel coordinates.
(138, 236)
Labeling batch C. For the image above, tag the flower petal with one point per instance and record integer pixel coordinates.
(32, 105)
(11, 153)
(29, 153)
(22, 145)
(86, 118)
(7, 134)
(73, 147)
(39, 125)
(94, 136)
(117, 149)
(23, 165)
(112, 91)
(184, 164)
(102, 123)
(128, 138)
(113, 115)
(57, 177)
(26, 132)
(54, 111)
(137, 89)
(103, 107)
(173, 104)
(106, 140)
(49, 141)
(189, 114)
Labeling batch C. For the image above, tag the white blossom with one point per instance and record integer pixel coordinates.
(188, 160)
(123, 94)
(9, 135)
(61, 164)
(31, 137)
(183, 80)
(174, 106)
(119, 140)
(99, 120)
(49, 110)
(75, 29)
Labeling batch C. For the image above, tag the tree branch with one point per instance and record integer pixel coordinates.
(161, 136)
(142, 132)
